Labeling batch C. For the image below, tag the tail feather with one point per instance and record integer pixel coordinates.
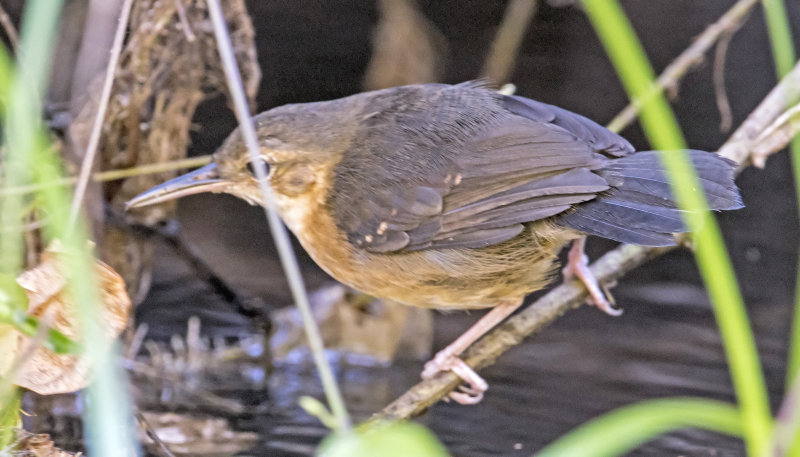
(640, 209)
(592, 223)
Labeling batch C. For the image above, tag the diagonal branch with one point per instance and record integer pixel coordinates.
(689, 58)
(612, 266)
(97, 127)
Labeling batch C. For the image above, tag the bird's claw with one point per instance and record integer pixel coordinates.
(469, 393)
(599, 295)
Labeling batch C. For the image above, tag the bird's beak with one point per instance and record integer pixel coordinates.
(204, 179)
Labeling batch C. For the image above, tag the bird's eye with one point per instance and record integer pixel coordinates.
(251, 167)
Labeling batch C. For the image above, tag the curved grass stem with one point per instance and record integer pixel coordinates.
(633, 425)
(279, 233)
(662, 130)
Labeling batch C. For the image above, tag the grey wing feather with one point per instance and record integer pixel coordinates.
(466, 170)
(479, 238)
(639, 208)
(585, 129)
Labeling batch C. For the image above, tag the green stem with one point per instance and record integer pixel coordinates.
(29, 326)
(12, 174)
(783, 53)
(279, 233)
(780, 36)
(620, 431)
(9, 416)
(107, 416)
(662, 129)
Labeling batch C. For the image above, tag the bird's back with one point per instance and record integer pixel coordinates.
(458, 196)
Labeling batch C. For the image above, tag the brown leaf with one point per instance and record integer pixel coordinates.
(36, 445)
(47, 372)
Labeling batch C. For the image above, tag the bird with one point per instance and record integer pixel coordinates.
(452, 196)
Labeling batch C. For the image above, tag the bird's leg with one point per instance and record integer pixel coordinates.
(578, 267)
(448, 358)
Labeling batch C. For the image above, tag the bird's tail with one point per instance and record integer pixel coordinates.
(639, 207)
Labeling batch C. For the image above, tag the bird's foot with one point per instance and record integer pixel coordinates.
(578, 267)
(469, 393)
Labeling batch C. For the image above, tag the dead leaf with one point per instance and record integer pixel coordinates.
(49, 373)
(36, 445)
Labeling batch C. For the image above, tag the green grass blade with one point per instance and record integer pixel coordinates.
(279, 232)
(662, 129)
(626, 428)
(780, 35)
(393, 439)
(108, 413)
(9, 418)
(783, 53)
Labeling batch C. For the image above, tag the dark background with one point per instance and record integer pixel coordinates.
(665, 344)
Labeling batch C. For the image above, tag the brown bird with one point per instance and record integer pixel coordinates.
(452, 197)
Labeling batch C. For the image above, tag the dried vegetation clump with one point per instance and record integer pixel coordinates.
(169, 64)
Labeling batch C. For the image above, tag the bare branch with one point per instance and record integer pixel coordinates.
(723, 104)
(693, 55)
(776, 136)
(740, 145)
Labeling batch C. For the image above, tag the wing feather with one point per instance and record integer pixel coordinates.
(461, 166)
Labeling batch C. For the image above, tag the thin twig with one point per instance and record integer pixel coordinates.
(610, 267)
(136, 341)
(279, 232)
(112, 175)
(505, 47)
(740, 145)
(187, 29)
(151, 168)
(8, 27)
(97, 127)
(776, 135)
(151, 433)
(721, 95)
(688, 58)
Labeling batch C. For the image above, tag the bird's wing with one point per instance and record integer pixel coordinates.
(598, 137)
(454, 184)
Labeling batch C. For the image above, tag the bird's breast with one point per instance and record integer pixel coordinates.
(435, 278)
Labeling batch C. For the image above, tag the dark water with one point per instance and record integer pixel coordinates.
(587, 363)
(584, 365)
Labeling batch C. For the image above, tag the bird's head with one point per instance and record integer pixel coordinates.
(298, 144)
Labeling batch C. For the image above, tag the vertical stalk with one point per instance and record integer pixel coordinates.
(279, 233)
(780, 37)
(662, 129)
(107, 414)
(783, 53)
